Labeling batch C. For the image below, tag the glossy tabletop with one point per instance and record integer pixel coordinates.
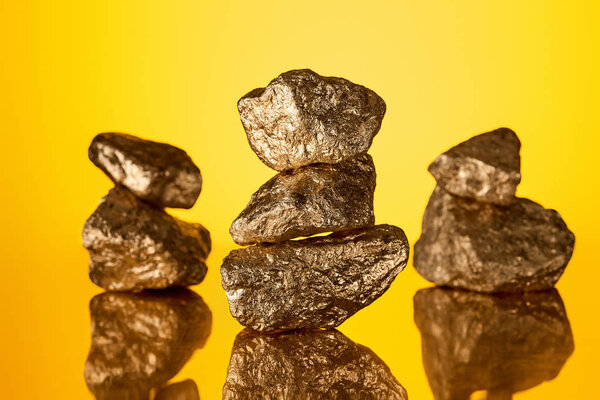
(174, 71)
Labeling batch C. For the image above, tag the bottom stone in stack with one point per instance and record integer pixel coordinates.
(134, 245)
(312, 283)
(487, 248)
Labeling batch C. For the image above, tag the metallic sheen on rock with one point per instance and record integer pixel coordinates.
(184, 390)
(486, 167)
(158, 173)
(312, 283)
(312, 199)
(499, 343)
(134, 246)
(302, 118)
(486, 248)
(141, 340)
(307, 365)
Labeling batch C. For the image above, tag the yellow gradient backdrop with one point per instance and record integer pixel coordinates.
(173, 71)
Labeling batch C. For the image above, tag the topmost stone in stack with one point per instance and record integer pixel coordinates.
(477, 234)
(303, 118)
(316, 130)
(486, 167)
(157, 173)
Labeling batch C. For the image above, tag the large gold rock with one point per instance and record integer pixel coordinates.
(488, 248)
(312, 283)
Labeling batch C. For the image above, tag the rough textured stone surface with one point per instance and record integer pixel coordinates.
(184, 390)
(487, 248)
(141, 340)
(486, 167)
(135, 246)
(312, 283)
(307, 365)
(158, 173)
(499, 343)
(302, 118)
(309, 200)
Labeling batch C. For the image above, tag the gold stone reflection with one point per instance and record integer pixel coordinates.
(141, 340)
(499, 343)
(306, 365)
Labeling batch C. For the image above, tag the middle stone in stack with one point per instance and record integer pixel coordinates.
(316, 130)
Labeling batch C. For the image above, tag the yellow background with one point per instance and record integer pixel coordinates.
(173, 71)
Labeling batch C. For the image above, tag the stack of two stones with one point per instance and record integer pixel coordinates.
(477, 235)
(316, 130)
(133, 243)
(500, 327)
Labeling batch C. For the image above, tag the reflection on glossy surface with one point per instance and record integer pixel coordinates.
(141, 340)
(499, 343)
(306, 365)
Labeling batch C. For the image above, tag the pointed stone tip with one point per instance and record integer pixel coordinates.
(485, 167)
(250, 95)
(508, 133)
(234, 232)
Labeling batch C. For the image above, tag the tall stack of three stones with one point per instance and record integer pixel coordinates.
(316, 130)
